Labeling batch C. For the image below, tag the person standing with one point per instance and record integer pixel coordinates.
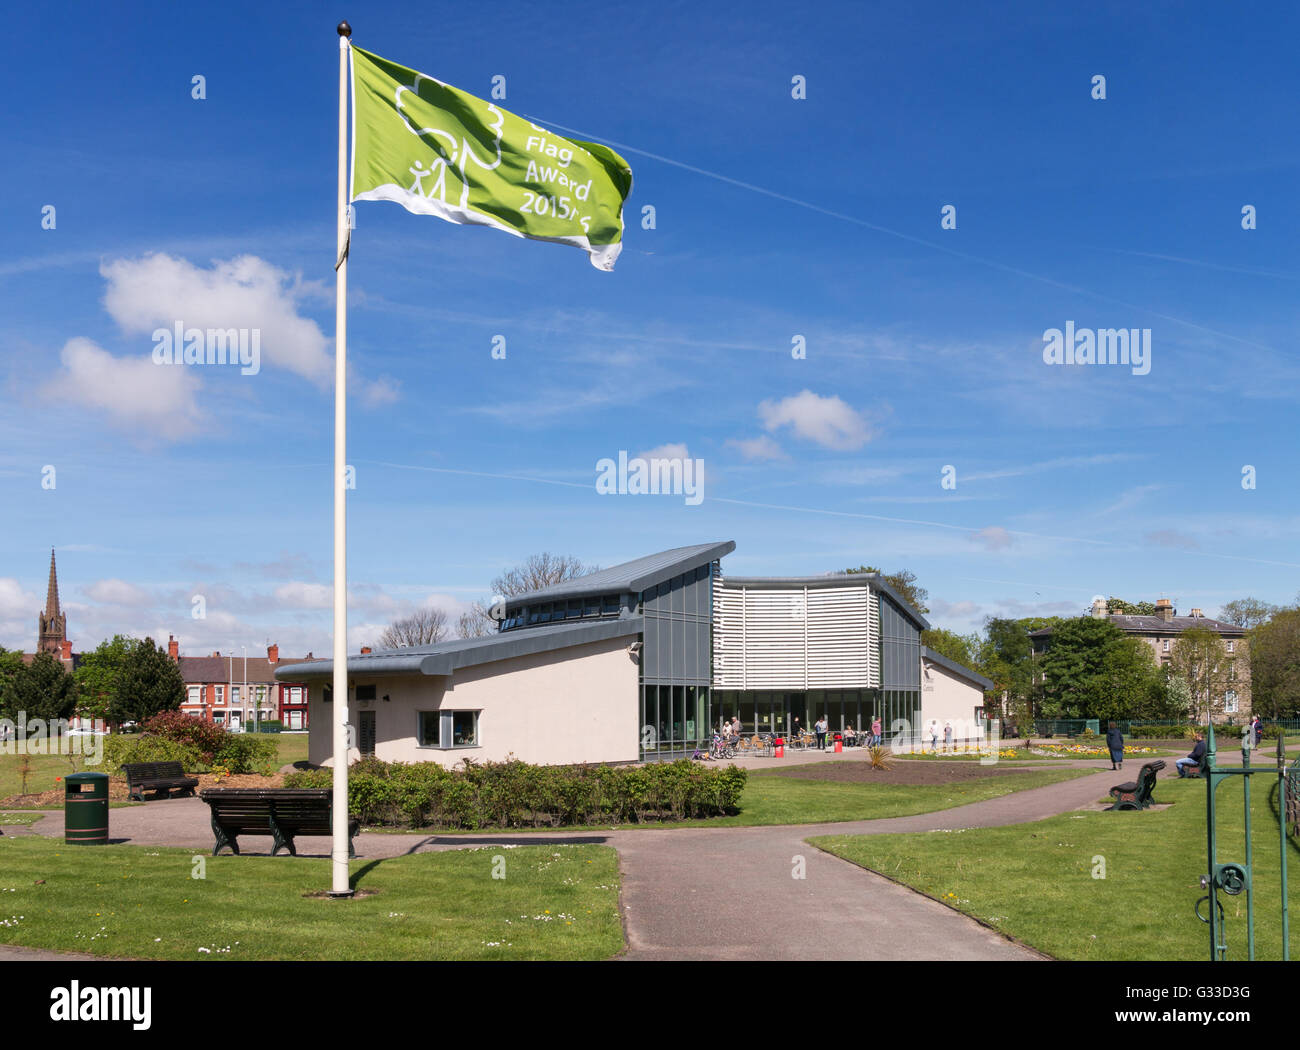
(875, 731)
(1115, 742)
(947, 736)
(820, 726)
(934, 737)
(1258, 728)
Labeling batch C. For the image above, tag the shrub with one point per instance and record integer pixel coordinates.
(121, 749)
(202, 734)
(241, 753)
(515, 794)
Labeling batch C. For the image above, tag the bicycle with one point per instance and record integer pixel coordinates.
(720, 748)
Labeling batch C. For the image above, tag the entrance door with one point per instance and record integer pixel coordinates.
(366, 733)
(233, 723)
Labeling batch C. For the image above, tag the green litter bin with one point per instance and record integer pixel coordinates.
(85, 809)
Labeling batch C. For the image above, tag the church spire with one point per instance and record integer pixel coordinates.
(52, 630)
(52, 591)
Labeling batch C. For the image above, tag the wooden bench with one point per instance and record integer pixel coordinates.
(159, 777)
(1137, 794)
(282, 813)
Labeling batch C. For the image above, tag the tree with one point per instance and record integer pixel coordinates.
(10, 664)
(904, 582)
(148, 681)
(1093, 670)
(1119, 605)
(43, 689)
(1007, 657)
(963, 648)
(98, 673)
(423, 627)
(1247, 612)
(538, 571)
(1275, 665)
(1200, 658)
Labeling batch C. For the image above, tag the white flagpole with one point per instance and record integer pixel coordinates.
(340, 884)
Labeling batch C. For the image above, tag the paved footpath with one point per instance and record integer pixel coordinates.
(715, 893)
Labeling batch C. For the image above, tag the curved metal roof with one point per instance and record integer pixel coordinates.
(631, 577)
(442, 658)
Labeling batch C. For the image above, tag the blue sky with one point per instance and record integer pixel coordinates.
(924, 345)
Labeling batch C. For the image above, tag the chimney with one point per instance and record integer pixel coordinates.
(216, 652)
(1197, 613)
(273, 653)
(365, 649)
(1165, 610)
(65, 651)
(1099, 608)
(173, 648)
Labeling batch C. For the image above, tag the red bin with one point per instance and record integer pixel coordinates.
(839, 743)
(779, 744)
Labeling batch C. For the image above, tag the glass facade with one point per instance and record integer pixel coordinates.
(784, 713)
(676, 665)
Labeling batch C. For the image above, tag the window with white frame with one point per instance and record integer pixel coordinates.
(221, 694)
(1230, 702)
(1232, 670)
(1232, 646)
(1166, 645)
(194, 694)
(295, 695)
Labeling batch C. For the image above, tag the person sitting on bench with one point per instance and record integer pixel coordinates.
(1194, 759)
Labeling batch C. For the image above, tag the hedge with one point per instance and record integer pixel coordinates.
(239, 754)
(515, 794)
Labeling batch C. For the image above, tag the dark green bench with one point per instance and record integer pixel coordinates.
(1137, 794)
(159, 777)
(282, 813)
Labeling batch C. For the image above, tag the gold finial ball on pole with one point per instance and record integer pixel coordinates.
(345, 29)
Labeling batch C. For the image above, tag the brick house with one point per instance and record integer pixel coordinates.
(230, 690)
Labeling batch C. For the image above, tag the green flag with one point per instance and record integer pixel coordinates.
(439, 151)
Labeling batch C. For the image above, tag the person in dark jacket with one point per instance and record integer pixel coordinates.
(1194, 759)
(1115, 742)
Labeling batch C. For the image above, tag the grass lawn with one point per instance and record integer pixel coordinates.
(1035, 881)
(44, 768)
(555, 902)
(15, 819)
(792, 800)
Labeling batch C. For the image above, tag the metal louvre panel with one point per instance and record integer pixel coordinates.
(794, 637)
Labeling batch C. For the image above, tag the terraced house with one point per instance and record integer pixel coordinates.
(637, 662)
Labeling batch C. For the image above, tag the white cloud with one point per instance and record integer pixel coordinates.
(993, 538)
(158, 290)
(118, 592)
(135, 393)
(828, 421)
(759, 448)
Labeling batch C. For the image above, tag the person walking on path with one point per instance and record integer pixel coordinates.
(934, 737)
(1258, 727)
(875, 732)
(1115, 742)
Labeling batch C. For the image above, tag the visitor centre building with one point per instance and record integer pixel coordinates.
(641, 661)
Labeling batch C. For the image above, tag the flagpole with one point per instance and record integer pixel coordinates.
(340, 883)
